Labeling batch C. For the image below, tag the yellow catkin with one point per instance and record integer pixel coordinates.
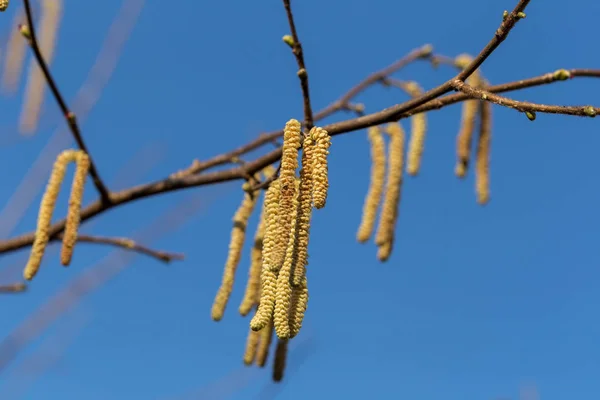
(15, 55)
(42, 233)
(373, 199)
(283, 292)
(51, 11)
(304, 210)
(251, 347)
(238, 235)
(298, 306)
(482, 171)
(417, 134)
(468, 117)
(74, 212)
(262, 352)
(391, 201)
(320, 167)
(280, 359)
(268, 276)
(287, 178)
(3, 5)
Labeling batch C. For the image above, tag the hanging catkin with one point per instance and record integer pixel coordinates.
(283, 293)
(482, 170)
(320, 167)
(391, 202)
(262, 352)
(268, 275)
(298, 306)
(304, 209)
(251, 346)
(280, 359)
(373, 199)
(15, 55)
(74, 213)
(470, 108)
(251, 294)
(3, 5)
(42, 233)
(51, 11)
(238, 235)
(417, 134)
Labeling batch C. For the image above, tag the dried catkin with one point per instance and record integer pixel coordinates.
(304, 210)
(238, 235)
(298, 306)
(468, 117)
(42, 233)
(373, 199)
(417, 134)
(287, 178)
(262, 352)
(251, 294)
(74, 212)
(320, 167)
(283, 293)
(15, 55)
(36, 84)
(251, 346)
(482, 168)
(268, 275)
(389, 212)
(280, 359)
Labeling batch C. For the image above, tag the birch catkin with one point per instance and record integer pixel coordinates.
(251, 346)
(262, 352)
(391, 202)
(42, 233)
(320, 167)
(3, 5)
(417, 134)
(36, 84)
(373, 199)
(298, 306)
(238, 235)
(251, 294)
(482, 172)
(15, 55)
(74, 213)
(268, 275)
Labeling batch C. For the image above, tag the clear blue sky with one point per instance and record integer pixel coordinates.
(474, 302)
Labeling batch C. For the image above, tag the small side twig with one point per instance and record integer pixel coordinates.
(18, 287)
(67, 113)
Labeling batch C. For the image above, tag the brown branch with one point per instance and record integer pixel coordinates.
(302, 71)
(69, 115)
(523, 106)
(129, 244)
(18, 287)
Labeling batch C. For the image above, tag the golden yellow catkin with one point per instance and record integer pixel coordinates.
(74, 211)
(42, 233)
(283, 292)
(417, 134)
(51, 11)
(304, 210)
(320, 167)
(373, 199)
(3, 5)
(482, 168)
(280, 359)
(287, 181)
(298, 306)
(251, 346)
(268, 275)
(391, 201)
(468, 117)
(238, 235)
(251, 294)
(262, 352)
(15, 55)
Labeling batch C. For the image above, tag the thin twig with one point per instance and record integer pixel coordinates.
(302, 71)
(69, 116)
(18, 287)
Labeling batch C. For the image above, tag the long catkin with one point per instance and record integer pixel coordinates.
(418, 131)
(238, 235)
(482, 171)
(42, 233)
(251, 294)
(34, 91)
(251, 346)
(320, 170)
(262, 352)
(374, 194)
(280, 359)
(298, 306)
(15, 55)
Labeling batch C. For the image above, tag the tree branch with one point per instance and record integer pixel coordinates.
(69, 115)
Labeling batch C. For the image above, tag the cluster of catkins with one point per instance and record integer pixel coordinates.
(390, 190)
(42, 233)
(277, 285)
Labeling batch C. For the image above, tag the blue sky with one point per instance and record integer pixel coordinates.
(474, 303)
